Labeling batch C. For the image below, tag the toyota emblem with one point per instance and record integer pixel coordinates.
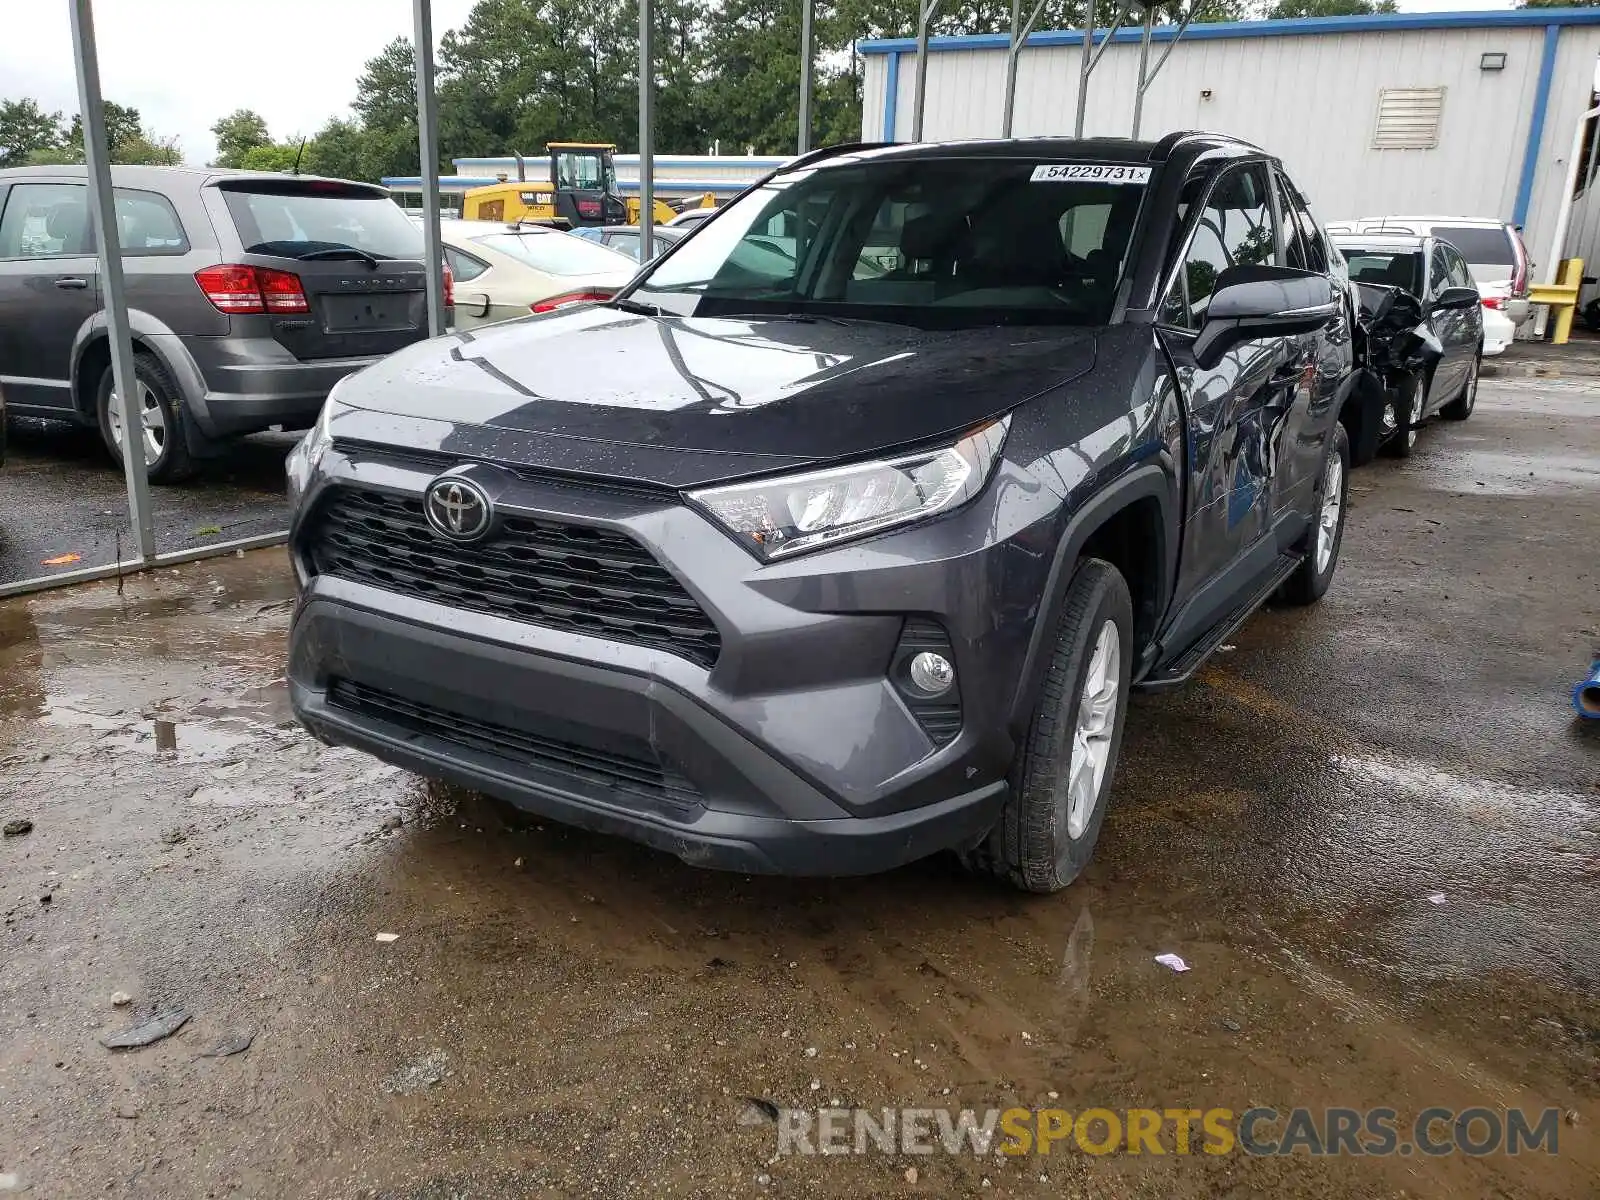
(457, 508)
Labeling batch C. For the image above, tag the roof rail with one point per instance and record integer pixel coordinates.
(817, 155)
(1164, 148)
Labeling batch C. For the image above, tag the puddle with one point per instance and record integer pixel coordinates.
(1487, 472)
(206, 733)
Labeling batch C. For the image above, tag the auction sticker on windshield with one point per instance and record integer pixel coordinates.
(1090, 173)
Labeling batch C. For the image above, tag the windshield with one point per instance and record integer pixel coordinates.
(938, 243)
(1491, 247)
(295, 223)
(585, 171)
(1392, 268)
(558, 253)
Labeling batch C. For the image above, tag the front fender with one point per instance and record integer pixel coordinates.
(1150, 480)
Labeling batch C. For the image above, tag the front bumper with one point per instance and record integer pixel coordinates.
(794, 753)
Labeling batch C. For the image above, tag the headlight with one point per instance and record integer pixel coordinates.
(307, 454)
(778, 517)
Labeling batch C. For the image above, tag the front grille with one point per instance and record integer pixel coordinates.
(625, 776)
(575, 577)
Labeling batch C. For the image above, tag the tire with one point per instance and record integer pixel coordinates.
(1315, 572)
(1461, 407)
(1042, 842)
(158, 395)
(1404, 440)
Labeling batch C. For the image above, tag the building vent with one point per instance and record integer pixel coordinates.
(1408, 118)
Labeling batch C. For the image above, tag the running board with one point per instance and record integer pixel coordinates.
(1182, 668)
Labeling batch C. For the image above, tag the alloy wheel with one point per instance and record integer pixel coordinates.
(1328, 517)
(152, 421)
(1092, 736)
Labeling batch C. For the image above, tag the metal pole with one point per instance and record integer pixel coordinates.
(1019, 36)
(428, 146)
(1086, 67)
(647, 131)
(1091, 58)
(805, 74)
(1146, 78)
(103, 220)
(926, 16)
(1144, 59)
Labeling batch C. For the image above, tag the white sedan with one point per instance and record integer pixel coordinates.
(503, 271)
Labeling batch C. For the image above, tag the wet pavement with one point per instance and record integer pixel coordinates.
(1372, 829)
(62, 495)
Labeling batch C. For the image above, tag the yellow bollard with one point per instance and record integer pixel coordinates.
(1561, 297)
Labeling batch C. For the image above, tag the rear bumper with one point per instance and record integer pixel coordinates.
(727, 803)
(1498, 332)
(236, 385)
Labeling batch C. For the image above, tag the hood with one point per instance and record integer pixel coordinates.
(779, 390)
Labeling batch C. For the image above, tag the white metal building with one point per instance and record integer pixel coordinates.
(1452, 113)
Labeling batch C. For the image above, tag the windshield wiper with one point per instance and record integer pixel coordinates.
(635, 306)
(342, 252)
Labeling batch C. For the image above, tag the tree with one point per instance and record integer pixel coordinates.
(24, 129)
(337, 150)
(386, 103)
(272, 157)
(1284, 9)
(237, 134)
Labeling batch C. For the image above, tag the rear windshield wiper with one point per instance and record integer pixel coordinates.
(341, 252)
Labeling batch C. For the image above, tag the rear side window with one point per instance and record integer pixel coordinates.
(46, 220)
(147, 224)
(276, 220)
(1460, 276)
(556, 253)
(1234, 229)
(462, 265)
(1490, 246)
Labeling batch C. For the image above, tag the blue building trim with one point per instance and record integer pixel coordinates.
(891, 97)
(1221, 30)
(1541, 102)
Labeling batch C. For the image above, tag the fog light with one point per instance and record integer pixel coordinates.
(932, 674)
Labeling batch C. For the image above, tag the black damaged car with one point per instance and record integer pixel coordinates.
(840, 537)
(1421, 330)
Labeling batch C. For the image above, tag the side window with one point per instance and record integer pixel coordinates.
(463, 266)
(1438, 272)
(1234, 229)
(1305, 243)
(147, 224)
(1460, 275)
(46, 220)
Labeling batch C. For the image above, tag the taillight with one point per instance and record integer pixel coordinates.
(1496, 302)
(588, 208)
(242, 290)
(282, 291)
(449, 286)
(566, 298)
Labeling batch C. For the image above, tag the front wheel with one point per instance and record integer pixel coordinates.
(1406, 404)
(159, 432)
(1315, 572)
(1461, 407)
(1062, 776)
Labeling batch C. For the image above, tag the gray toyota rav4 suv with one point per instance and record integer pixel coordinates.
(840, 535)
(250, 296)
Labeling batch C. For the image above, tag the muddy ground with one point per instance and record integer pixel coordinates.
(565, 1015)
(62, 495)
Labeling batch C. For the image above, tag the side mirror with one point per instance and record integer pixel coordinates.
(1457, 297)
(476, 304)
(1262, 301)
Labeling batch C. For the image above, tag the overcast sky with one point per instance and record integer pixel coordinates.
(184, 63)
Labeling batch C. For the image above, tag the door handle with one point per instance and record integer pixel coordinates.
(73, 285)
